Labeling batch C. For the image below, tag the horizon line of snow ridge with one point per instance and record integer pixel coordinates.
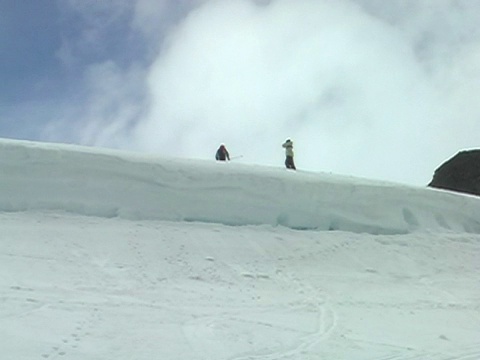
(110, 183)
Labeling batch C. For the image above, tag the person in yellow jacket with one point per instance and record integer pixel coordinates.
(288, 145)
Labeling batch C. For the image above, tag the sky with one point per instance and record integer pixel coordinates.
(368, 88)
(108, 254)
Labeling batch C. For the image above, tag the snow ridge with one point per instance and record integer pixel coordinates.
(109, 183)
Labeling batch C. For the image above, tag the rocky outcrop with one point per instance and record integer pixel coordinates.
(460, 173)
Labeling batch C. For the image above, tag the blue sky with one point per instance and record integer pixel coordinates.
(370, 88)
(30, 35)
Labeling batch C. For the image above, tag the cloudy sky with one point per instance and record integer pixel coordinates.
(380, 89)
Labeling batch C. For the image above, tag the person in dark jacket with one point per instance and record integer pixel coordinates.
(288, 145)
(222, 153)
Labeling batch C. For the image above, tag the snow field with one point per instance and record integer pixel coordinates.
(103, 256)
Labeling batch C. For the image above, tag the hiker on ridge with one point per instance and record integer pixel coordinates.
(288, 145)
(222, 153)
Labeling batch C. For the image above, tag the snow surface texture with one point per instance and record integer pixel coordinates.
(108, 255)
(112, 184)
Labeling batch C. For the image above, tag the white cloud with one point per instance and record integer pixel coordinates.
(115, 100)
(362, 92)
(369, 88)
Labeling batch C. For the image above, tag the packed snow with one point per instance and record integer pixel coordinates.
(113, 255)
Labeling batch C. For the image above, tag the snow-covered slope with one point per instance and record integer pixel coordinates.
(108, 255)
(114, 184)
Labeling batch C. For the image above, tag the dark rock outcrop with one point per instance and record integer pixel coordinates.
(460, 173)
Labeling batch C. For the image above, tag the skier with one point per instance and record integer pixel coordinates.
(222, 153)
(288, 145)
